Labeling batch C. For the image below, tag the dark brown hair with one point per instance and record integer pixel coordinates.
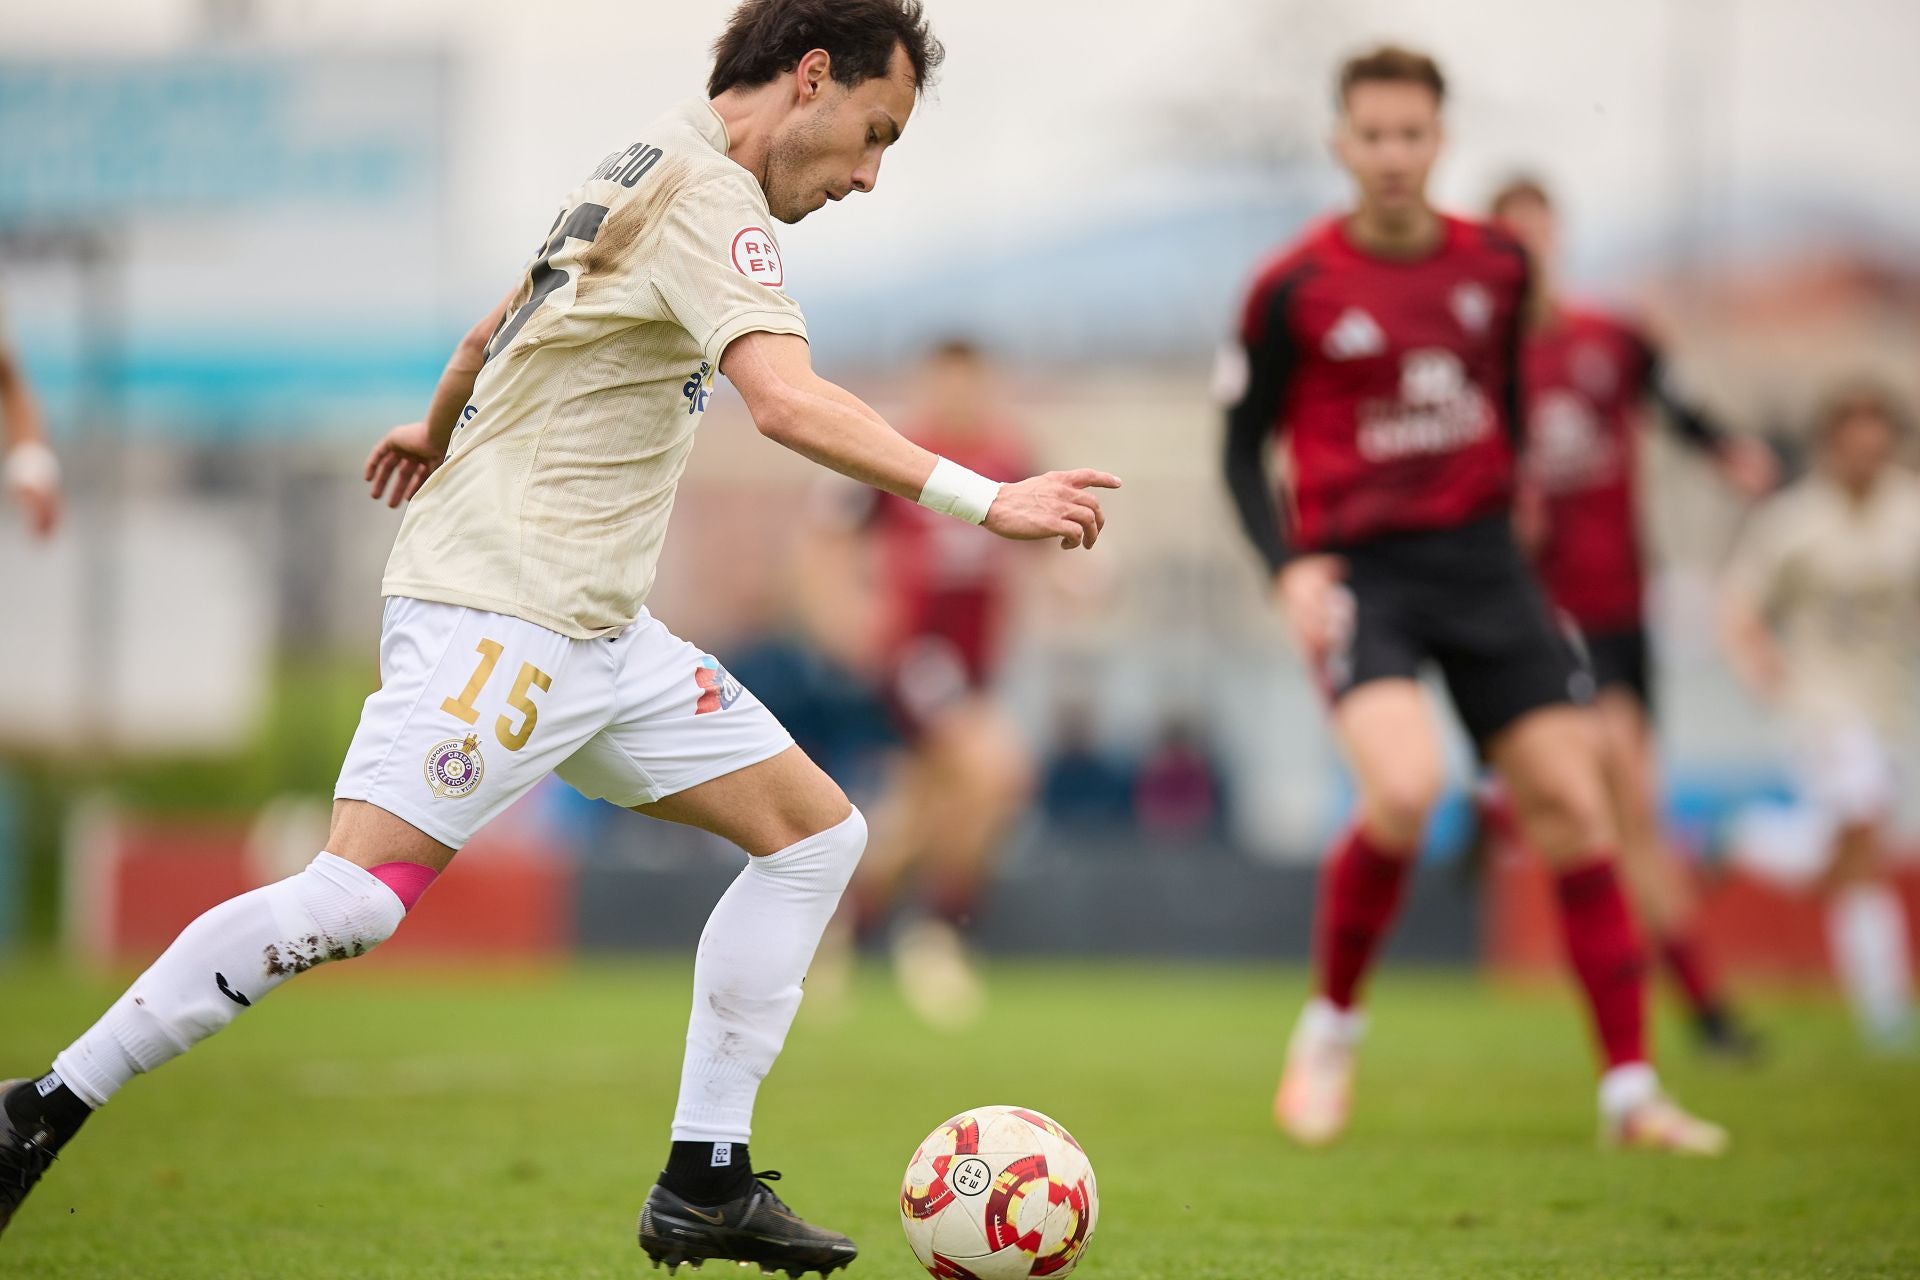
(1390, 64)
(1519, 187)
(767, 38)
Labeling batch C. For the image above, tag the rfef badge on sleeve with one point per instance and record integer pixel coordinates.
(757, 257)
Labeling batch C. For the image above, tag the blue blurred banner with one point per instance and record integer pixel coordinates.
(85, 142)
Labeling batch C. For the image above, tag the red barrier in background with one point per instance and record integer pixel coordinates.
(1750, 926)
(134, 883)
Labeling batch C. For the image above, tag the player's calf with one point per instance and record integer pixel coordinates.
(221, 964)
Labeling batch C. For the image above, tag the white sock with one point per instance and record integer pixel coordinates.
(1322, 1019)
(246, 946)
(1867, 933)
(753, 956)
(1627, 1087)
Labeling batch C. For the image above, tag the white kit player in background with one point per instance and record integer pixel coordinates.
(516, 641)
(1822, 618)
(29, 472)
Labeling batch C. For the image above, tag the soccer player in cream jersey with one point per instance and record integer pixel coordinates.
(516, 642)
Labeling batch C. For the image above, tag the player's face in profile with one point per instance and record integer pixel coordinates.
(1532, 223)
(832, 145)
(1388, 139)
(1859, 446)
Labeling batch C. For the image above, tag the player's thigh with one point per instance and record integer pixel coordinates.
(762, 807)
(1628, 755)
(689, 743)
(975, 745)
(1393, 747)
(1551, 760)
(473, 709)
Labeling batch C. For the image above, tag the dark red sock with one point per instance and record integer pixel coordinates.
(1698, 982)
(1605, 951)
(1360, 892)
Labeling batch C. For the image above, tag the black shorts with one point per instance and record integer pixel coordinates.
(1621, 659)
(1465, 600)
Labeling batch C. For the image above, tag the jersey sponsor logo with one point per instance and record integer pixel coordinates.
(1439, 410)
(1567, 449)
(1354, 336)
(699, 389)
(1472, 306)
(757, 257)
(454, 767)
(718, 689)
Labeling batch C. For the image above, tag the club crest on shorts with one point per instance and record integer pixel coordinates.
(718, 690)
(454, 767)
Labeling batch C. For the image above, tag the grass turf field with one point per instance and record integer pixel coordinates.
(405, 1124)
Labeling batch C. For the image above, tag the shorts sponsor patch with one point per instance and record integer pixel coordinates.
(718, 689)
(757, 257)
(454, 767)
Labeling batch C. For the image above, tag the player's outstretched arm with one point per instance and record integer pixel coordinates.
(796, 407)
(412, 451)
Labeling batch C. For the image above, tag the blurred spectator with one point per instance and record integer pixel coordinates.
(1085, 786)
(1178, 792)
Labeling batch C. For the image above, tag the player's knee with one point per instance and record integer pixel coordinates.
(824, 860)
(1567, 818)
(351, 910)
(1395, 809)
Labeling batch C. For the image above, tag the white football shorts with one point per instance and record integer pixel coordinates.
(1845, 771)
(474, 708)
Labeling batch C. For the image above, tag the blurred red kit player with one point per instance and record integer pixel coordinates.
(1590, 377)
(1382, 353)
(965, 774)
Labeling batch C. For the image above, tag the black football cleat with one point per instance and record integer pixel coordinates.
(1725, 1038)
(24, 1156)
(756, 1228)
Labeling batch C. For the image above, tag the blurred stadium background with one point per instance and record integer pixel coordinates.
(238, 236)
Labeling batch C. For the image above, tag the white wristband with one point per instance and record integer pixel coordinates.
(31, 466)
(952, 490)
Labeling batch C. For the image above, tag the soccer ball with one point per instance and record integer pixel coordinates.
(999, 1193)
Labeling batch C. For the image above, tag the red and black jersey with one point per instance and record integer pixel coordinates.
(943, 580)
(1588, 379)
(1392, 384)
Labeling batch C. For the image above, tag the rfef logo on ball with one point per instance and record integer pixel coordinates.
(718, 690)
(454, 767)
(757, 257)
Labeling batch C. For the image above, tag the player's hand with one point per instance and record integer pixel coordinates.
(1318, 606)
(1059, 504)
(1750, 467)
(32, 479)
(401, 463)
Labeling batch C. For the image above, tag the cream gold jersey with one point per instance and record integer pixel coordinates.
(1840, 582)
(553, 502)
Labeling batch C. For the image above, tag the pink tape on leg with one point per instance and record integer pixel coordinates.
(408, 880)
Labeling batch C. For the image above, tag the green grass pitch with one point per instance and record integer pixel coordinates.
(402, 1125)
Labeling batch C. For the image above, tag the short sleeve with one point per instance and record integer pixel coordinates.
(719, 270)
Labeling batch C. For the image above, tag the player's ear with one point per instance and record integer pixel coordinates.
(813, 73)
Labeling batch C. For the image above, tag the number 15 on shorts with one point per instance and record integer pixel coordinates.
(519, 698)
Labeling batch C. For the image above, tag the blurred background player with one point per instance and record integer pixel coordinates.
(28, 469)
(939, 614)
(1588, 377)
(1822, 620)
(1383, 350)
